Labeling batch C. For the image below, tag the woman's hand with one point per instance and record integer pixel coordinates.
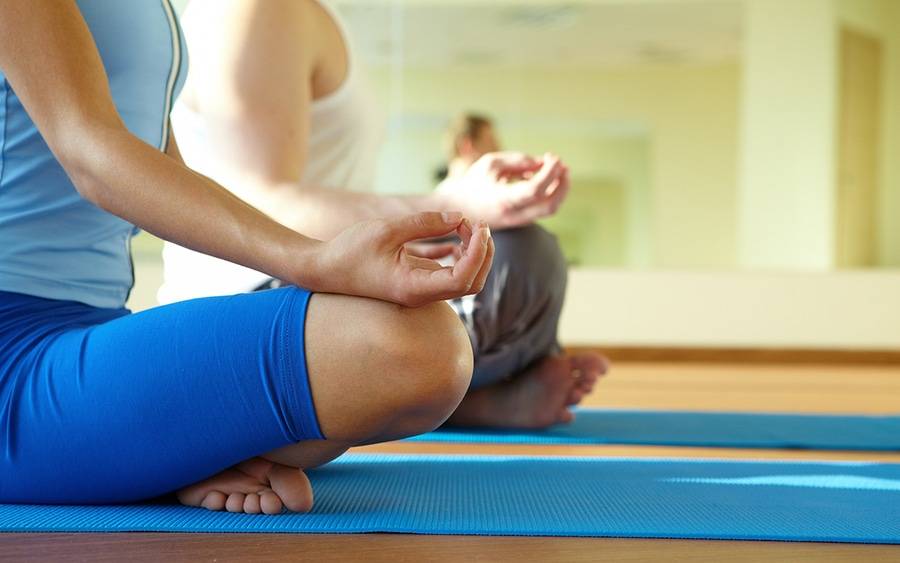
(371, 259)
(509, 189)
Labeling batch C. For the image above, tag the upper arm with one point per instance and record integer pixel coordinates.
(255, 65)
(49, 57)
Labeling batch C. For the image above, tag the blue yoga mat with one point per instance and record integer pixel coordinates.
(594, 497)
(702, 429)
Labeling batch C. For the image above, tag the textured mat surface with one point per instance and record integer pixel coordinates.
(842, 502)
(702, 429)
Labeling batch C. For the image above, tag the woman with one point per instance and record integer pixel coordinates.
(219, 399)
(278, 110)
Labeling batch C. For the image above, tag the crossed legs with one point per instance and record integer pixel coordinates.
(380, 372)
(377, 372)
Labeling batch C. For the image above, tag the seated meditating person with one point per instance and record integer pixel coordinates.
(469, 136)
(222, 401)
(278, 109)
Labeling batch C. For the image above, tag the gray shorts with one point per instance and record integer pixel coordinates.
(513, 321)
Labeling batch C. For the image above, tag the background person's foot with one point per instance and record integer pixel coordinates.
(587, 368)
(538, 397)
(253, 486)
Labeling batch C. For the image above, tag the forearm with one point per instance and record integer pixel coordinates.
(322, 213)
(122, 175)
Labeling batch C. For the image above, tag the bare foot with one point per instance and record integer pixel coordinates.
(536, 398)
(253, 486)
(587, 368)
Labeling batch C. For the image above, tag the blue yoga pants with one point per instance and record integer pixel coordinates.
(105, 406)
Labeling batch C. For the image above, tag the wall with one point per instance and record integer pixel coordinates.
(845, 310)
(890, 202)
(786, 175)
(689, 114)
(881, 19)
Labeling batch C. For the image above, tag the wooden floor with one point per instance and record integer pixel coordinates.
(746, 387)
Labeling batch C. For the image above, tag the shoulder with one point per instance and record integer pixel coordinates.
(238, 46)
(238, 21)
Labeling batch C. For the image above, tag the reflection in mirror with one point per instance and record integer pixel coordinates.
(747, 134)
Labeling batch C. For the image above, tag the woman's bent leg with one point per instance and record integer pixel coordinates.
(148, 403)
(390, 372)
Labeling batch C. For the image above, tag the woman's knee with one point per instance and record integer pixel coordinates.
(379, 371)
(437, 358)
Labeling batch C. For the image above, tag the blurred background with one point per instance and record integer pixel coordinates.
(724, 154)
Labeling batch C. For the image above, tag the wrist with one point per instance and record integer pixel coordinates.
(446, 198)
(301, 263)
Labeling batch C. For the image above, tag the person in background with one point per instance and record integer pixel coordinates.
(469, 137)
(278, 108)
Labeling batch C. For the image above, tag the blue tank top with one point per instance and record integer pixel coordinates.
(53, 242)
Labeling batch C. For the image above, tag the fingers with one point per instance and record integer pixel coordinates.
(475, 258)
(562, 182)
(538, 186)
(418, 226)
(431, 250)
(482, 275)
(511, 164)
(464, 230)
(539, 209)
(460, 279)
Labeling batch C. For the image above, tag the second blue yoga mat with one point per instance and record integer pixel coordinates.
(593, 497)
(701, 429)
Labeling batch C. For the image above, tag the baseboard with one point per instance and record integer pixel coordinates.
(745, 355)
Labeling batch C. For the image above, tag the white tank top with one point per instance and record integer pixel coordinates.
(345, 135)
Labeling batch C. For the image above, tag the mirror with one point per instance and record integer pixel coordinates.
(720, 134)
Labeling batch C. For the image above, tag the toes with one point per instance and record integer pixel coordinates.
(246, 488)
(590, 367)
(596, 364)
(565, 416)
(190, 496)
(235, 502)
(214, 500)
(602, 364)
(575, 397)
(292, 487)
(270, 503)
(586, 384)
(252, 504)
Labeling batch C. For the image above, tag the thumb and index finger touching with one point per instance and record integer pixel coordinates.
(472, 266)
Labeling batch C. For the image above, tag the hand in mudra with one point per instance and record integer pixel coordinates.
(510, 189)
(371, 259)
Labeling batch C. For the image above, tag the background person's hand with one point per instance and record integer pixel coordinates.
(510, 189)
(371, 259)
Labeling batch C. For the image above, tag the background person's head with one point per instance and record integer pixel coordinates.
(469, 137)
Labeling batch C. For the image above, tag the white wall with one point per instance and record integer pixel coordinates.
(850, 310)
(786, 175)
